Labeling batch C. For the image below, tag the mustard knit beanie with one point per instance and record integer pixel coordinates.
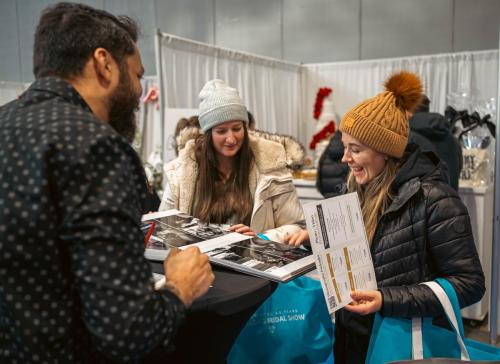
(381, 122)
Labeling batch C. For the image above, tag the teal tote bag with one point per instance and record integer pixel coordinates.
(291, 326)
(396, 339)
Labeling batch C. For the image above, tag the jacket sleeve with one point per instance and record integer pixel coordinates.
(170, 198)
(332, 173)
(288, 216)
(451, 254)
(100, 201)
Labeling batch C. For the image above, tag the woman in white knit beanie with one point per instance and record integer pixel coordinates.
(226, 176)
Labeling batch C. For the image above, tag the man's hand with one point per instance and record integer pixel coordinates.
(365, 302)
(297, 238)
(188, 273)
(242, 229)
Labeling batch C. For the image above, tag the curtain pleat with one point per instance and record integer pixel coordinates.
(271, 89)
(443, 74)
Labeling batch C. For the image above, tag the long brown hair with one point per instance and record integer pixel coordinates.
(375, 196)
(216, 201)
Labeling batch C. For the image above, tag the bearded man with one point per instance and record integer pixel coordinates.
(75, 286)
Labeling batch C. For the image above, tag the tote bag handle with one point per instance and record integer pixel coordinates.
(453, 314)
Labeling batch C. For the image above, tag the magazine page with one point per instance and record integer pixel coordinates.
(178, 229)
(173, 228)
(256, 256)
(265, 258)
(341, 249)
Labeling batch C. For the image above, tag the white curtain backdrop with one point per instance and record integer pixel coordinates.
(149, 127)
(11, 90)
(271, 89)
(281, 95)
(442, 74)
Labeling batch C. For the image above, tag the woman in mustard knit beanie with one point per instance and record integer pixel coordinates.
(416, 224)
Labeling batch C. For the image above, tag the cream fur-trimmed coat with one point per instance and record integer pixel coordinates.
(276, 210)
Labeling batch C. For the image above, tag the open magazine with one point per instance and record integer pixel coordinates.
(251, 255)
(340, 246)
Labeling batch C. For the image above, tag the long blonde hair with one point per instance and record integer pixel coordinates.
(375, 196)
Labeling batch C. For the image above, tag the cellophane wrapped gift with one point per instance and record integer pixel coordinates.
(478, 157)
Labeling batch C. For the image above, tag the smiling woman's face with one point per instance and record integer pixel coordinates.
(365, 163)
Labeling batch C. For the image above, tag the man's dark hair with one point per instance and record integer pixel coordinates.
(68, 34)
(424, 105)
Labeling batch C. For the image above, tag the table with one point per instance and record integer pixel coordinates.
(215, 320)
(307, 191)
(479, 202)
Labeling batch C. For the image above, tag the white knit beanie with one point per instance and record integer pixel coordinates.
(219, 103)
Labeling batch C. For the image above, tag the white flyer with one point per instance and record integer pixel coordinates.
(340, 247)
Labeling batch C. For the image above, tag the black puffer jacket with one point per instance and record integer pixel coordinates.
(425, 233)
(431, 132)
(332, 173)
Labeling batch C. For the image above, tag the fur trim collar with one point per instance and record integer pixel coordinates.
(295, 151)
(185, 135)
(188, 175)
(269, 155)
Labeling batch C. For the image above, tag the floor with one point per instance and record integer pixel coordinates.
(477, 330)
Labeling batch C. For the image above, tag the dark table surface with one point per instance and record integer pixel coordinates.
(215, 320)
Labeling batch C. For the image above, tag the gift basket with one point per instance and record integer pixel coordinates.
(473, 123)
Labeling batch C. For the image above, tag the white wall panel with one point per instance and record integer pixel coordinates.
(99, 4)
(9, 42)
(296, 30)
(143, 12)
(476, 25)
(191, 19)
(249, 25)
(321, 30)
(28, 12)
(405, 27)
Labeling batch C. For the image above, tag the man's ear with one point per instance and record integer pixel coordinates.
(105, 67)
